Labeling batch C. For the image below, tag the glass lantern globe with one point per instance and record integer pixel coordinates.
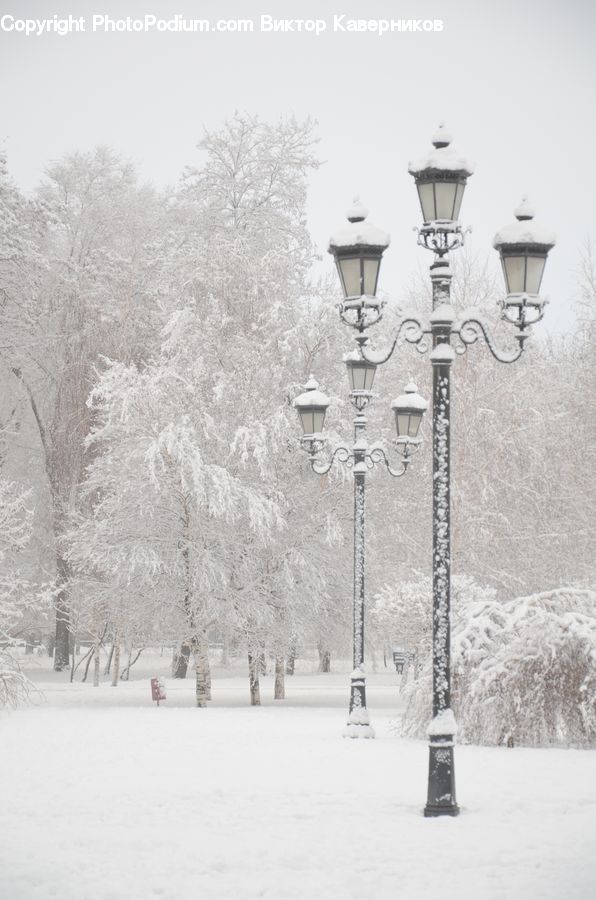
(409, 409)
(361, 372)
(312, 408)
(523, 247)
(440, 180)
(357, 249)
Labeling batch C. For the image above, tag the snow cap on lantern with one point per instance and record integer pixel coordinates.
(409, 408)
(440, 178)
(312, 407)
(523, 247)
(357, 249)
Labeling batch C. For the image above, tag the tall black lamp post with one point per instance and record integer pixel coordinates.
(523, 247)
(361, 456)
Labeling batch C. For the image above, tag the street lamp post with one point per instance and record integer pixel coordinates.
(523, 247)
(359, 457)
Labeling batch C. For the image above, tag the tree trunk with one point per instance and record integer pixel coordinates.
(125, 674)
(324, 659)
(62, 642)
(52, 452)
(116, 661)
(106, 671)
(291, 660)
(225, 650)
(181, 660)
(202, 674)
(279, 692)
(207, 670)
(253, 679)
(96, 666)
(72, 664)
(88, 657)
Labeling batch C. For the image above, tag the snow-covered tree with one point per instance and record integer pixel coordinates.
(401, 613)
(17, 597)
(74, 284)
(193, 486)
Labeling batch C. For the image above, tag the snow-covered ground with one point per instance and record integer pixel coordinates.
(104, 796)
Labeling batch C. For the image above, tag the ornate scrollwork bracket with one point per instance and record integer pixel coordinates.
(410, 328)
(314, 445)
(377, 454)
(373, 455)
(471, 329)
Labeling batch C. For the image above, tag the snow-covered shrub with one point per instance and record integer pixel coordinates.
(15, 687)
(524, 671)
(539, 685)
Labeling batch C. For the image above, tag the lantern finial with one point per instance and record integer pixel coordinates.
(357, 211)
(441, 137)
(525, 211)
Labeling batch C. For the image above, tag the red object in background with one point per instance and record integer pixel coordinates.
(158, 690)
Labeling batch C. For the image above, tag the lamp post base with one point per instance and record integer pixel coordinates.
(441, 780)
(360, 729)
(433, 812)
(358, 724)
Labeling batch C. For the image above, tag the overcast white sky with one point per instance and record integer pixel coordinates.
(515, 82)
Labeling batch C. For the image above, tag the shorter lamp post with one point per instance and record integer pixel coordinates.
(361, 456)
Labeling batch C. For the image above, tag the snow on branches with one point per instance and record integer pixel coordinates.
(15, 530)
(16, 595)
(524, 670)
(194, 518)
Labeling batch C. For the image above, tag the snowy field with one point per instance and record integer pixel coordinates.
(105, 796)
